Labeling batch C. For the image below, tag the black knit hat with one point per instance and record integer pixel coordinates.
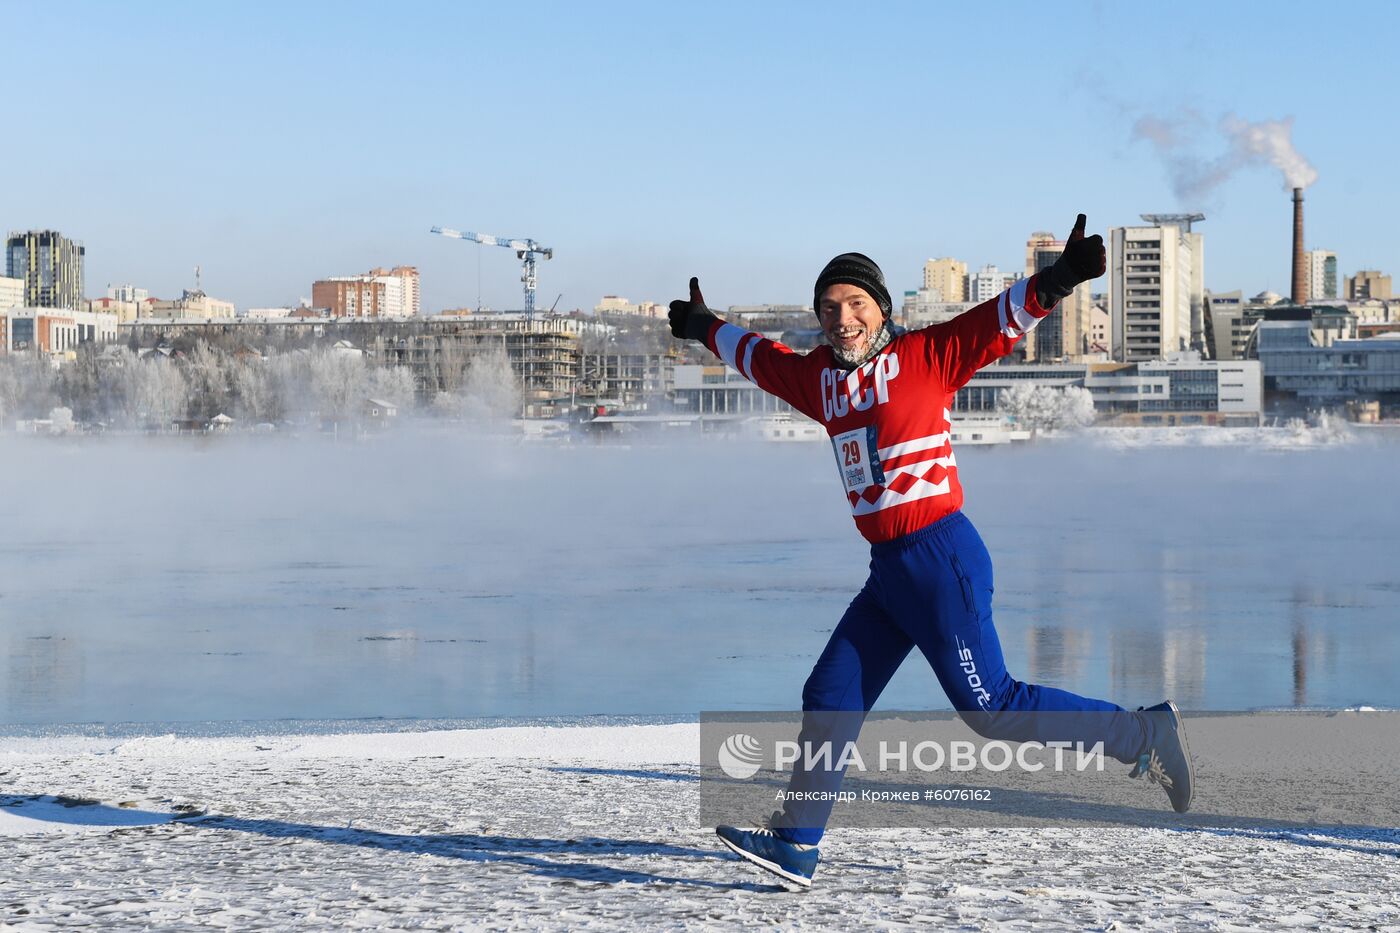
(853, 269)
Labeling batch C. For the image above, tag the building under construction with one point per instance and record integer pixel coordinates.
(624, 380)
(545, 355)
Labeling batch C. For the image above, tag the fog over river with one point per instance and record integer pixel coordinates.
(453, 576)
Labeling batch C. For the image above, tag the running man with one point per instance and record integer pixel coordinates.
(885, 399)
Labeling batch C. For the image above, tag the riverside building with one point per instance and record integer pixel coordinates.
(1183, 389)
(1305, 370)
(53, 331)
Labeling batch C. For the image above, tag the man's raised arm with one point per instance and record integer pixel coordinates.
(989, 331)
(772, 367)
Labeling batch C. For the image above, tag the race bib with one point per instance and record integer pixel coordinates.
(858, 459)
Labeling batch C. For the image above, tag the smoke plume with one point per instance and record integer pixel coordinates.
(1179, 139)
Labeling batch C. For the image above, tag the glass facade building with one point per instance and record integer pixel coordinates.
(51, 267)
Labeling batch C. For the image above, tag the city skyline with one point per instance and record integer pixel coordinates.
(278, 158)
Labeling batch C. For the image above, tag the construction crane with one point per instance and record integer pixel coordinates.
(526, 250)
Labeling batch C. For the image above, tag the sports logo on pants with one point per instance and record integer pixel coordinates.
(969, 669)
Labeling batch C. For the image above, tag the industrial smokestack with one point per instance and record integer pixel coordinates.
(1300, 282)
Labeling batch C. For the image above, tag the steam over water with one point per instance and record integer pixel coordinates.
(453, 576)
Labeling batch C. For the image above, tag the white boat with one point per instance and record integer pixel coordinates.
(785, 427)
(979, 430)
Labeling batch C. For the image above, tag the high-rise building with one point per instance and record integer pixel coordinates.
(51, 266)
(350, 296)
(1156, 285)
(986, 283)
(403, 301)
(1368, 284)
(948, 277)
(377, 293)
(1064, 334)
(1320, 273)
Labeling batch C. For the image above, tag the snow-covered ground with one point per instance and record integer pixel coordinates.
(568, 827)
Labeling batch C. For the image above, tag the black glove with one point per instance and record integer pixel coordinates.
(691, 319)
(1083, 259)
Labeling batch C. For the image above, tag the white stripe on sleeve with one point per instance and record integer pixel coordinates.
(747, 369)
(1016, 299)
(727, 342)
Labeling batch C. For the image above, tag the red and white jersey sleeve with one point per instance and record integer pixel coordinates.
(773, 367)
(890, 419)
(983, 334)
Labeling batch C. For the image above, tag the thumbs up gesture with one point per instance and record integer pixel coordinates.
(1084, 257)
(690, 319)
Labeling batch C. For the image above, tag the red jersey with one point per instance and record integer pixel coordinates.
(890, 418)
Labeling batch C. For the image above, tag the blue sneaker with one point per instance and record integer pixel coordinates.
(788, 860)
(1167, 761)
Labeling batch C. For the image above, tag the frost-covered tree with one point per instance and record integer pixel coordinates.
(11, 390)
(1024, 403)
(289, 375)
(111, 386)
(154, 391)
(26, 387)
(257, 391)
(393, 384)
(339, 383)
(207, 370)
(446, 367)
(490, 390)
(1076, 407)
(1046, 408)
(78, 384)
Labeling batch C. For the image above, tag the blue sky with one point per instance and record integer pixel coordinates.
(273, 144)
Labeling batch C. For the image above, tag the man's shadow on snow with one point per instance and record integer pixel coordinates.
(1016, 809)
(527, 852)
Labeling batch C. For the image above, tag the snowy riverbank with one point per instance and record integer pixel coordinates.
(1321, 431)
(564, 827)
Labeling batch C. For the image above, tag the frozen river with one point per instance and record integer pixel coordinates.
(469, 577)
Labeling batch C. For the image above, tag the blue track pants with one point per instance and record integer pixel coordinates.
(933, 590)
